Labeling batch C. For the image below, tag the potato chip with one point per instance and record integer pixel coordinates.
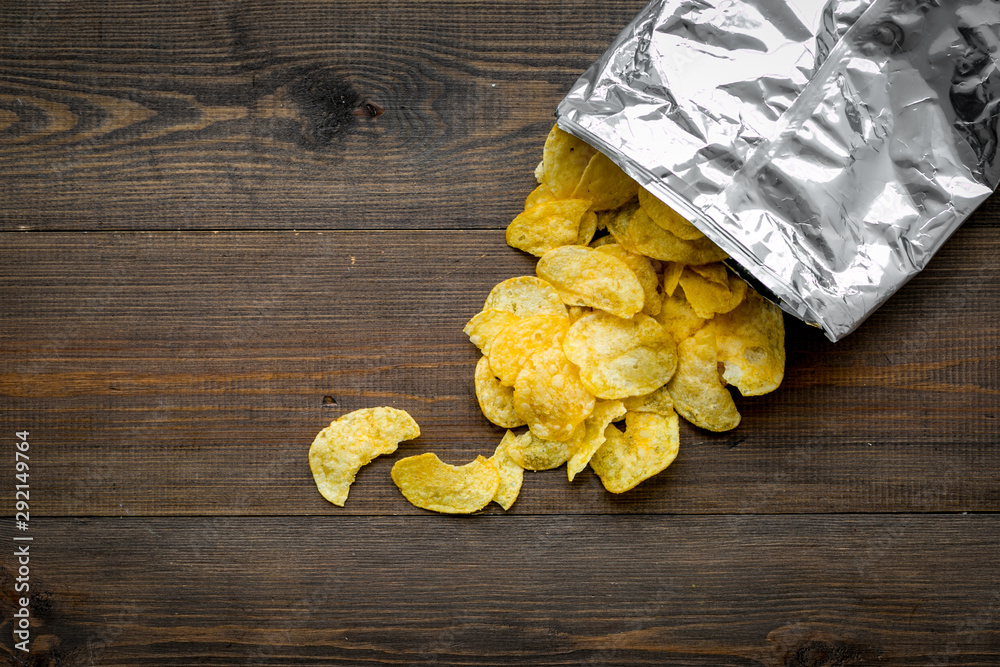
(564, 159)
(576, 312)
(539, 195)
(550, 397)
(619, 358)
(518, 343)
(485, 326)
(511, 474)
(339, 450)
(605, 184)
(431, 484)
(715, 272)
(585, 277)
(671, 276)
(677, 316)
(525, 296)
(650, 444)
(667, 218)
(698, 393)
(588, 227)
(604, 413)
(534, 453)
(549, 225)
(495, 400)
(708, 297)
(540, 172)
(751, 345)
(643, 270)
(658, 402)
(638, 233)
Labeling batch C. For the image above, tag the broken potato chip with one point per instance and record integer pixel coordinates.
(431, 484)
(650, 444)
(696, 388)
(511, 474)
(353, 440)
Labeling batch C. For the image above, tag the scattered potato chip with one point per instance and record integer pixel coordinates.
(671, 276)
(658, 401)
(585, 277)
(605, 184)
(339, 450)
(708, 297)
(677, 316)
(751, 345)
(650, 444)
(514, 347)
(431, 484)
(698, 393)
(534, 453)
(588, 227)
(666, 217)
(495, 400)
(564, 160)
(604, 413)
(638, 233)
(715, 272)
(549, 225)
(643, 270)
(525, 296)
(550, 397)
(620, 358)
(485, 326)
(539, 195)
(511, 474)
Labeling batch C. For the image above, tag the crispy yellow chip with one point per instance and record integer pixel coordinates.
(549, 225)
(667, 218)
(698, 393)
(513, 347)
(538, 196)
(638, 233)
(715, 272)
(588, 227)
(619, 358)
(339, 450)
(677, 316)
(708, 297)
(650, 444)
(576, 312)
(525, 296)
(643, 270)
(534, 453)
(751, 345)
(431, 484)
(550, 397)
(585, 277)
(671, 276)
(604, 413)
(485, 326)
(658, 401)
(511, 474)
(564, 159)
(605, 184)
(495, 400)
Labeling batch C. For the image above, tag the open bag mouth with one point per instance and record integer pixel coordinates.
(830, 148)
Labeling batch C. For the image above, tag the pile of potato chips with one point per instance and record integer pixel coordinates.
(632, 316)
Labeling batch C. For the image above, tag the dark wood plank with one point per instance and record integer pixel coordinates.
(501, 590)
(177, 373)
(295, 115)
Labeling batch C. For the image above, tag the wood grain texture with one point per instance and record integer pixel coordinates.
(294, 115)
(796, 591)
(166, 374)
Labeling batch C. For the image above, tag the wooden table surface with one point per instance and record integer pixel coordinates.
(224, 224)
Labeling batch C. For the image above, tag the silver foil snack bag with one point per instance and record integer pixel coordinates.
(830, 148)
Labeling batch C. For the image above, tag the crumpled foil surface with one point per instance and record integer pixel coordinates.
(829, 147)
